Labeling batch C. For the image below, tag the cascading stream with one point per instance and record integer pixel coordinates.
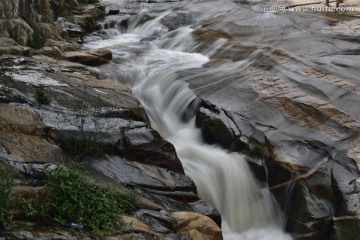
(223, 179)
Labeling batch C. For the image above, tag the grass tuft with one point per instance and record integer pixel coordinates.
(41, 96)
(72, 198)
(85, 146)
(38, 39)
(6, 202)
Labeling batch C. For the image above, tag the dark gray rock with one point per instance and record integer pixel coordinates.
(147, 146)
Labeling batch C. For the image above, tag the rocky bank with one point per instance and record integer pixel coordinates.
(80, 104)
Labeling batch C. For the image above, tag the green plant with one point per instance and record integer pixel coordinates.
(83, 146)
(38, 39)
(41, 96)
(5, 90)
(6, 201)
(36, 209)
(124, 129)
(72, 198)
(6, 79)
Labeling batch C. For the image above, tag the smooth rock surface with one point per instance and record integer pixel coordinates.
(90, 57)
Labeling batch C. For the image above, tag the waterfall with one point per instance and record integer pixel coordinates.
(152, 67)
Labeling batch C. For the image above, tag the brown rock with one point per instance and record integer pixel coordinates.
(17, 50)
(53, 52)
(206, 34)
(21, 120)
(54, 43)
(96, 11)
(62, 45)
(101, 52)
(85, 21)
(30, 149)
(20, 31)
(196, 226)
(6, 42)
(139, 226)
(29, 192)
(90, 57)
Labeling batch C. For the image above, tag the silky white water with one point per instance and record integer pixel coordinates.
(223, 179)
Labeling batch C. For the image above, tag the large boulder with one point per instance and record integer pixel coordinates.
(299, 116)
(196, 226)
(145, 145)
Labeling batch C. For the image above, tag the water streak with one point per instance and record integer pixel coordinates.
(223, 179)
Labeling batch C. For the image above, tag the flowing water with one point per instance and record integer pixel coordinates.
(157, 63)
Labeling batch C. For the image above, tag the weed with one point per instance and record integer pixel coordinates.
(5, 80)
(36, 209)
(5, 90)
(85, 143)
(38, 39)
(41, 96)
(6, 201)
(124, 129)
(85, 146)
(72, 198)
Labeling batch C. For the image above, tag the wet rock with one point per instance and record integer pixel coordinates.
(158, 221)
(303, 125)
(146, 176)
(211, 35)
(138, 226)
(62, 45)
(91, 57)
(206, 209)
(86, 15)
(96, 11)
(113, 12)
(84, 21)
(147, 146)
(214, 131)
(178, 19)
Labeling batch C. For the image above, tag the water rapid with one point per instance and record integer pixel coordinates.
(157, 64)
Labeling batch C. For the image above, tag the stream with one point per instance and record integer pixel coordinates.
(159, 61)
